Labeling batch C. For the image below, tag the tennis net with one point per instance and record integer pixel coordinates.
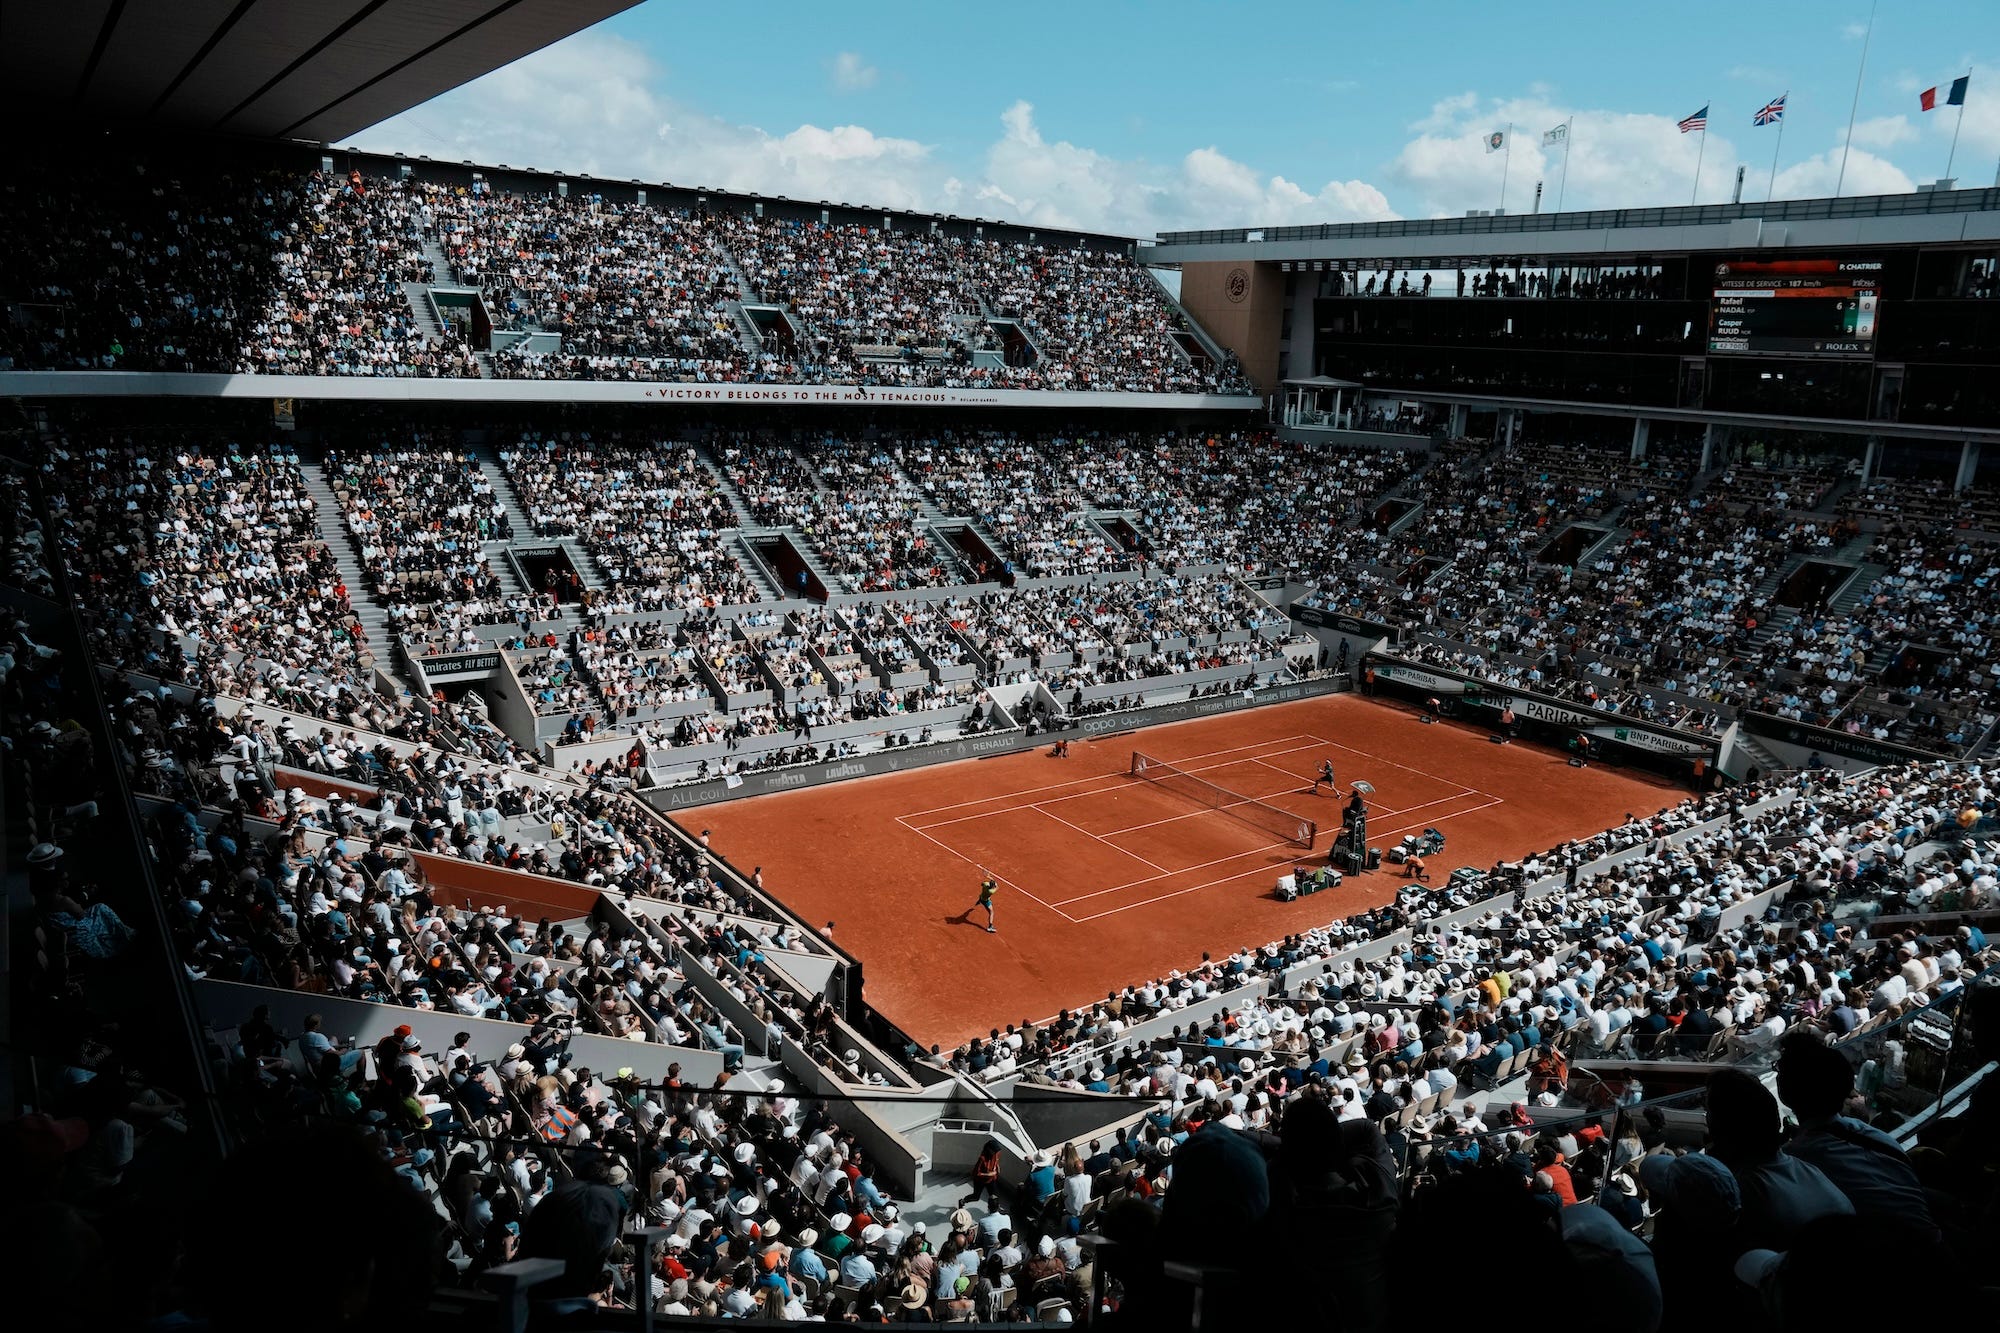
(1248, 809)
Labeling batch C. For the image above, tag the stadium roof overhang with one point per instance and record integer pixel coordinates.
(268, 69)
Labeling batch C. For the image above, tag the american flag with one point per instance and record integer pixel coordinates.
(1773, 112)
(1698, 121)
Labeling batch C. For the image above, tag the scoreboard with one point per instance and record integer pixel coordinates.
(1795, 307)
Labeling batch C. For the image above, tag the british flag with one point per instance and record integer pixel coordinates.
(1773, 112)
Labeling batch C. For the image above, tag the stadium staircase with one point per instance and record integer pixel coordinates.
(744, 292)
(374, 617)
(761, 574)
(746, 328)
(423, 310)
(936, 520)
(525, 532)
(1214, 349)
(423, 305)
(442, 269)
(1766, 761)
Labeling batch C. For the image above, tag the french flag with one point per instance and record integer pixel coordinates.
(1955, 97)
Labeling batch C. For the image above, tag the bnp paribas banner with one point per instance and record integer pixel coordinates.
(1423, 680)
(1641, 739)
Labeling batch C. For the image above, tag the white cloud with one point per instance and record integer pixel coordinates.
(591, 104)
(852, 74)
(1854, 32)
(1885, 132)
(595, 104)
(1816, 177)
(1064, 185)
(1616, 159)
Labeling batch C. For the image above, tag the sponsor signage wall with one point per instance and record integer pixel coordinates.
(1538, 708)
(1864, 748)
(1319, 618)
(459, 666)
(1423, 680)
(692, 794)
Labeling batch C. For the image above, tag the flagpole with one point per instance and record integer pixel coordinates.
(1569, 132)
(1855, 105)
(1506, 164)
(1770, 189)
(1954, 132)
(1695, 198)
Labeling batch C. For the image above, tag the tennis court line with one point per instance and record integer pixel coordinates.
(1487, 805)
(1123, 851)
(1374, 812)
(1228, 879)
(1407, 768)
(997, 878)
(1163, 897)
(1200, 865)
(1057, 786)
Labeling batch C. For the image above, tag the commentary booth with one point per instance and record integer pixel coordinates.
(1322, 402)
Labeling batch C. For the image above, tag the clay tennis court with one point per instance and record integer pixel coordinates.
(1107, 879)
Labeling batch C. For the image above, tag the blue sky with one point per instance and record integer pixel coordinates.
(1135, 118)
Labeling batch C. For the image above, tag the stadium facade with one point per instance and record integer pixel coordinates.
(1720, 314)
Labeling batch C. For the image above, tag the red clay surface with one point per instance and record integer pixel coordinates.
(1107, 880)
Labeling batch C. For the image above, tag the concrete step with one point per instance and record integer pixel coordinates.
(737, 505)
(586, 564)
(441, 269)
(488, 458)
(760, 573)
(1856, 591)
(728, 260)
(417, 296)
(1761, 757)
(327, 516)
(746, 331)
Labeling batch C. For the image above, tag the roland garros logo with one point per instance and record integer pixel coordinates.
(1237, 285)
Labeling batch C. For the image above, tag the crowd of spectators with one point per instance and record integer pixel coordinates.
(420, 516)
(615, 280)
(153, 264)
(854, 286)
(651, 513)
(336, 304)
(118, 264)
(1723, 929)
(851, 502)
(203, 563)
(1099, 320)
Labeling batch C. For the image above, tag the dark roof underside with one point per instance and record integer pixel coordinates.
(266, 69)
